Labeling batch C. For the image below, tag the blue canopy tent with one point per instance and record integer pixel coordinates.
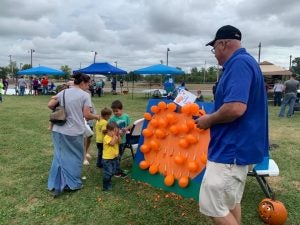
(160, 69)
(40, 71)
(101, 68)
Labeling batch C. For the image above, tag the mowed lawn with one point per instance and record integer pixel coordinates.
(26, 154)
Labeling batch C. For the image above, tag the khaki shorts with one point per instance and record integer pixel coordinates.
(222, 187)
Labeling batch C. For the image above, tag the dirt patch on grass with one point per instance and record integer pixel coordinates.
(296, 184)
(276, 183)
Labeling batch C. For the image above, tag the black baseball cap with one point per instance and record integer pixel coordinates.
(226, 32)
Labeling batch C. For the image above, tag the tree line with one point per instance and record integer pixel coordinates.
(202, 75)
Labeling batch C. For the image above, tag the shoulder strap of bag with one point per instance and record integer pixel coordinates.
(64, 102)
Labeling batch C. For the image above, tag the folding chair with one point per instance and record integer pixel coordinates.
(260, 175)
(132, 138)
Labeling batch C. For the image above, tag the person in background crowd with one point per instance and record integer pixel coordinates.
(200, 97)
(1, 91)
(278, 89)
(44, 83)
(99, 85)
(114, 85)
(35, 85)
(22, 85)
(238, 128)
(92, 87)
(40, 89)
(5, 85)
(290, 89)
(30, 84)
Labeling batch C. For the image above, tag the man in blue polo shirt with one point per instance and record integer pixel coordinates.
(238, 125)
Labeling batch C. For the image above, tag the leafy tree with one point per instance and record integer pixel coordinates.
(67, 70)
(26, 66)
(296, 65)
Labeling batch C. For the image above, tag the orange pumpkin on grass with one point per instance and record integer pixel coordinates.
(272, 212)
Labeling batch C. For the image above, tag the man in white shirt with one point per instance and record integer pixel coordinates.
(278, 89)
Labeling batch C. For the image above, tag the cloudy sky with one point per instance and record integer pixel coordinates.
(137, 33)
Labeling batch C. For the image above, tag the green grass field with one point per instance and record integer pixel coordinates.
(26, 155)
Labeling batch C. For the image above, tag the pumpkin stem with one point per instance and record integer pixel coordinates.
(273, 196)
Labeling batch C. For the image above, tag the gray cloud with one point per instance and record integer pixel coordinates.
(136, 33)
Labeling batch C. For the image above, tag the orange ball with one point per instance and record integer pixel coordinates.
(154, 145)
(147, 133)
(191, 139)
(194, 108)
(203, 158)
(185, 109)
(147, 116)
(190, 124)
(171, 107)
(154, 122)
(162, 105)
(183, 182)
(154, 109)
(145, 148)
(162, 123)
(171, 118)
(193, 166)
(169, 180)
(184, 128)
(144, 165)
(183, 143)
(153, 169)
(159, 133)
(179, 160)
(174, 129)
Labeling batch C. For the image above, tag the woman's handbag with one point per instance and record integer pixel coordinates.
(58, 115)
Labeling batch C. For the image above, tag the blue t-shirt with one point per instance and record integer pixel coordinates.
(245, 140)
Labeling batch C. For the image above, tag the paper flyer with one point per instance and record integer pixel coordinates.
(184, 97)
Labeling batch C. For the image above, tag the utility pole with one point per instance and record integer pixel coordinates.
(95, 53)
(31, 51)
(10, 64)
(290, 62)
(168, 56)
(204, 71)
(259, 47)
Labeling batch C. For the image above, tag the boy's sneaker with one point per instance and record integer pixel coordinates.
(117, 175)
(88, 156)
(121, 174)
(86, 163)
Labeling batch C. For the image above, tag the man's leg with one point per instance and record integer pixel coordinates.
(284, 104)
(237, 212)
(291, 106)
